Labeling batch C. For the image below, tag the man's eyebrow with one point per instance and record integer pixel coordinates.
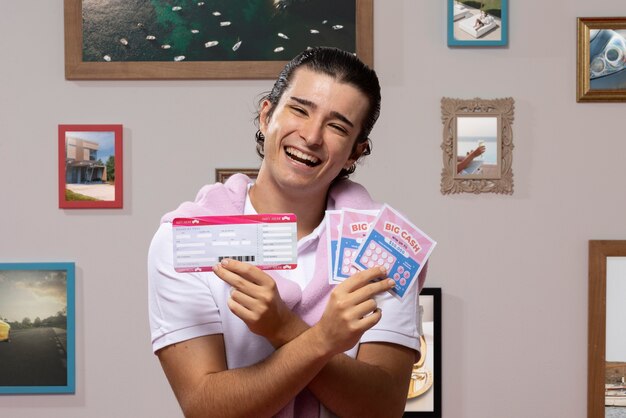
(312, 105)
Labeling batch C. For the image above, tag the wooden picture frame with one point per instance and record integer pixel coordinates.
(78, 69)
(470, 125)
(464, 30)
(222, 174)
(90, 168)
(600, 60)
(424, 397)
(600, 252)
(37, 304)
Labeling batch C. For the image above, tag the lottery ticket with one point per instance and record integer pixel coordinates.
(268, 241)
(354, 227)
(395, 243)
(333, 225)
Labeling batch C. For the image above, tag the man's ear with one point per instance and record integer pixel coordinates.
(359, 149)
(263, 115)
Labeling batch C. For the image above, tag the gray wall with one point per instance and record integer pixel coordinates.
(513, 268)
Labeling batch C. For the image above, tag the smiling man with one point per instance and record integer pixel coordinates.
(241, 342)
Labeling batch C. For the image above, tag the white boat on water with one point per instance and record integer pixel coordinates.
(337, 27)
(124, 41)
(210, 44)
(176, 8)
(200, 3)
(237, 45)
(107, 58)
(151, 37)
(166, 46)
(179, 58)
(225, 23)
(282, 35)
(314, 31)
(216, 13)
(195, 31)
(279, 49)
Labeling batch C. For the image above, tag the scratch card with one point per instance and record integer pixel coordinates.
(268, 241)
(333, 225)
(354, 227)
(395, 243)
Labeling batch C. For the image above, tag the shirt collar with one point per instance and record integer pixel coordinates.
(304, 242)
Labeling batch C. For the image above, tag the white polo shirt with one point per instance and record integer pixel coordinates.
(183, 306)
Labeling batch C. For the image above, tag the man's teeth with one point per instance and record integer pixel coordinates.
(302, 157)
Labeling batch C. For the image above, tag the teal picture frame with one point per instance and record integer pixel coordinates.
(38, 354)
(461, 18)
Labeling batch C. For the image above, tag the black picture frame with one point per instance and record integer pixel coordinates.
(433, 390)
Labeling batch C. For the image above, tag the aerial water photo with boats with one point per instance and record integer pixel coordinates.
(213, 30)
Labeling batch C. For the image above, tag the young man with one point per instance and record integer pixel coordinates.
(243, 342)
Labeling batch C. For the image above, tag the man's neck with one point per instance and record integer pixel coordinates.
(268, 197)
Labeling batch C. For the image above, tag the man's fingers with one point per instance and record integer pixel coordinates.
(243, 299)
(365, 308)
(239, 310)
(233, 279)
(370, 320)
(362, 278)
(362, 287)
(371, 289)
(245, 270)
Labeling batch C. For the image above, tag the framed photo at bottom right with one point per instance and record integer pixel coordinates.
(424, 395)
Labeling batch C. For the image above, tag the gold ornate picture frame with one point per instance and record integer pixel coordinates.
(601, 59)
(477, 145)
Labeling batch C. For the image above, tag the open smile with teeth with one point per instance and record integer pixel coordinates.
(301, 157)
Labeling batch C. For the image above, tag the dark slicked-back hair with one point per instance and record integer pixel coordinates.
(343, 67)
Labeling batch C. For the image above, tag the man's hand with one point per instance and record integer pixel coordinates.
(256, 300)
(352, 310)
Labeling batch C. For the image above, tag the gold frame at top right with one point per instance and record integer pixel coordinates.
(601, 59)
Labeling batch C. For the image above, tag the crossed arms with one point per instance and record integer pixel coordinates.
(373, 384)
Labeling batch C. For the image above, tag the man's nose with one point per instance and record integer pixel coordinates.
(312, 132)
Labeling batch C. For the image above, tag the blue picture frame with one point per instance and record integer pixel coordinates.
(462, 18)
(45, 343)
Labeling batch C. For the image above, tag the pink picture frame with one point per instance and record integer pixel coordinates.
(90, 166)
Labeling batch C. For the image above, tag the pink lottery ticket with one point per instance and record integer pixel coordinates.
(333, 225)
(355, 225)
(268, 241)
(395, 243)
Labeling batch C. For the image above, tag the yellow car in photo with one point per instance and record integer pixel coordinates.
(5, 331)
